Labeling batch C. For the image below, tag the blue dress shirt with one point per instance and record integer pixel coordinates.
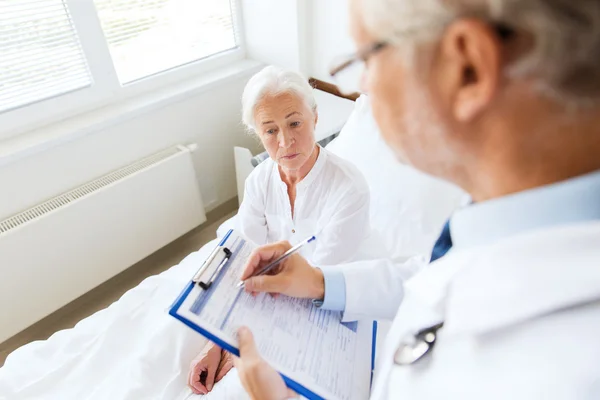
(567, 202)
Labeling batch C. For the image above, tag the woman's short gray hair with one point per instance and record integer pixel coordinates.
(565, 61)
(272, 81)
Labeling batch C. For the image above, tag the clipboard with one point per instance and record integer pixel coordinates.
(208, 277)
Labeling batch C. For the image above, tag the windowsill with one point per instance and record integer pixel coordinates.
(73, 128)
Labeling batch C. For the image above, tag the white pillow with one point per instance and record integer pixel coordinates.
(408, 208)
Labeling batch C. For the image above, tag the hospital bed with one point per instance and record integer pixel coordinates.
(134, 350)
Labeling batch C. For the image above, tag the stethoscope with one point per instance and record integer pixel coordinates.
(421, 344)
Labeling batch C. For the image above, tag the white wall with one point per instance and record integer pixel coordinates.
(330, 37)
(304, 35)
(211, 119)
(261, 20)
(274, 32)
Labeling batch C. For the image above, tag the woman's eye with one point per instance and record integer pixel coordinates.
(295, 124)
(270, 131)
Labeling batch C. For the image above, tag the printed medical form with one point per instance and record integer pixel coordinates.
(306, 344)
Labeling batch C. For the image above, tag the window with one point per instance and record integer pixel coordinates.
(40, 54)
(150, 36)
(62, 57)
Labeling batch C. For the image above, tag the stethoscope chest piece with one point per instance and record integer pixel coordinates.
(409, 352)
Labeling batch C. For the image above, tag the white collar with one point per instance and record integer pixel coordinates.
(561, 203)
(523, 277)
(478, 290)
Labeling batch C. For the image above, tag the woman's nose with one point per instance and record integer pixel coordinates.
(285, 140)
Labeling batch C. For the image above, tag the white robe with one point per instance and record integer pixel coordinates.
(522, 321)
(332, 203)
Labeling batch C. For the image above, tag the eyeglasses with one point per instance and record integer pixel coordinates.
(348, 70)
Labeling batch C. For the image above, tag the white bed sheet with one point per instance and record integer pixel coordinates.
(130, 350)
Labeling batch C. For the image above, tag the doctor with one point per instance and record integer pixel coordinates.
(501, 97)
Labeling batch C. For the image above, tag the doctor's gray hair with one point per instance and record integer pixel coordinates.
(564, 62)
(272, 81)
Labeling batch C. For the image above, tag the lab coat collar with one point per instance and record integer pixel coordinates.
(521, 278)
(561, 203)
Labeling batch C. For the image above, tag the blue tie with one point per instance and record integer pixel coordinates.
(443, 244)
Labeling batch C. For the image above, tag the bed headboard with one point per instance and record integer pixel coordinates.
(331, 88)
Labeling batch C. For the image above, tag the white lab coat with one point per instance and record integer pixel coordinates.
(387, 276)
(522, 321)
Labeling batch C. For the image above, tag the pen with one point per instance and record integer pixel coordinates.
(280, 259)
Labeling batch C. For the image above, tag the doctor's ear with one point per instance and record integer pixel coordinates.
(472, 58)
(316, 117)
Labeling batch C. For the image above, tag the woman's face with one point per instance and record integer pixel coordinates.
(286, 127)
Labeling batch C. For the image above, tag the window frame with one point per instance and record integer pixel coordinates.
(106, 88)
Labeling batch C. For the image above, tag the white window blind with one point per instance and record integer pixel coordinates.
(149, 36)
(40, 54)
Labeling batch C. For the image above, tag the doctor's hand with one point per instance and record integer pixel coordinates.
(208, 368)
(260, 380)
(293, 277)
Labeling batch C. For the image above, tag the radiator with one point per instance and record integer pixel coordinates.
(56, 251)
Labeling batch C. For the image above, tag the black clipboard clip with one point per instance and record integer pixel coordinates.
(207, 273)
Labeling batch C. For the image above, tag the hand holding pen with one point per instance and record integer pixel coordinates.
(292, 276)
(278, 260)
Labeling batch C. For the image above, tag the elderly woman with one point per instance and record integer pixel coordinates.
(301, 190)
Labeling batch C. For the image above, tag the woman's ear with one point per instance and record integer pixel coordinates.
(316, 117)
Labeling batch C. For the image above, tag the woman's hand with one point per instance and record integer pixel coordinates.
(209, 367)
(225, 365)
(293, 277)
(260, 380)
